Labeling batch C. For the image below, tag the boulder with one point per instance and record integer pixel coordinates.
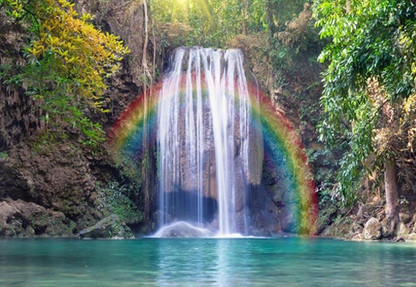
(372, 229)
(19, 218)
(182, 229)
(111, 227)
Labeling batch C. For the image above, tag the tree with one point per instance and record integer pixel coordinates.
(372, 43)
(67, 60)
(209, 22)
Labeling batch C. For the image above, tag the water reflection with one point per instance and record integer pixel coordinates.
(288, 262)
(221, 264)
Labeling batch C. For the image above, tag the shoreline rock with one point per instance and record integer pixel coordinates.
(372, 229)
(111, 227)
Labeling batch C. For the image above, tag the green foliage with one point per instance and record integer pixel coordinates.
(66, 62)
(117, 199)
(338, 219)
(217, 23)
(210, 22)
(371, 40)
(9, 78)
(44, 140)
(4, 155)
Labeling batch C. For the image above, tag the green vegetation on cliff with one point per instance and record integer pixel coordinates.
(65, 64)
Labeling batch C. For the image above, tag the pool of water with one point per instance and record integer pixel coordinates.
(206, 262)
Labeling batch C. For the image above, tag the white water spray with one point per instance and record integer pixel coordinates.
(204, 121)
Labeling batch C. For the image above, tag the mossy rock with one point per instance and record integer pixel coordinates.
(111, 227)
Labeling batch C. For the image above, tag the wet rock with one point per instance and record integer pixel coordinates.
(255, 154)
(288, 222)
(215, 224)
(159, 215)
(111, 227)
(405, 217)
(241, 220)
(183, 229)
(372, 229)
(262, 233)
(263, 220)
(240, 191)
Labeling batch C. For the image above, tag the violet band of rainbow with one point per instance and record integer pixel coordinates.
(284, 151)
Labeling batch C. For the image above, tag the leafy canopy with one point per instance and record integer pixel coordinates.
(371, 40)
(210, 22)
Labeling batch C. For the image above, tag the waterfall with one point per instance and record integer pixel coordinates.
(204, 134)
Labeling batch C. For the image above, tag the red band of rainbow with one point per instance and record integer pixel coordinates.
(283, 148)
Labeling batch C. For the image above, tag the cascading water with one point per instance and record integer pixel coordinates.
(204, 135)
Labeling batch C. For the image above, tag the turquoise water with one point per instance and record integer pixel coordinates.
(206, 262)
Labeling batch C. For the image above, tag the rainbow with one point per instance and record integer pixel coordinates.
(284, 151)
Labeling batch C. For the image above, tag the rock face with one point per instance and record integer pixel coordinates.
(372, 229)
(110, 227)
(183, 230)
(49, 188)
(59, 178)
(26, 219)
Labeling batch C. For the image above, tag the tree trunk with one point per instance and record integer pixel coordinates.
(270, 24)
(244, 28)
(244, 17)
(392, 191)
(392, 196)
